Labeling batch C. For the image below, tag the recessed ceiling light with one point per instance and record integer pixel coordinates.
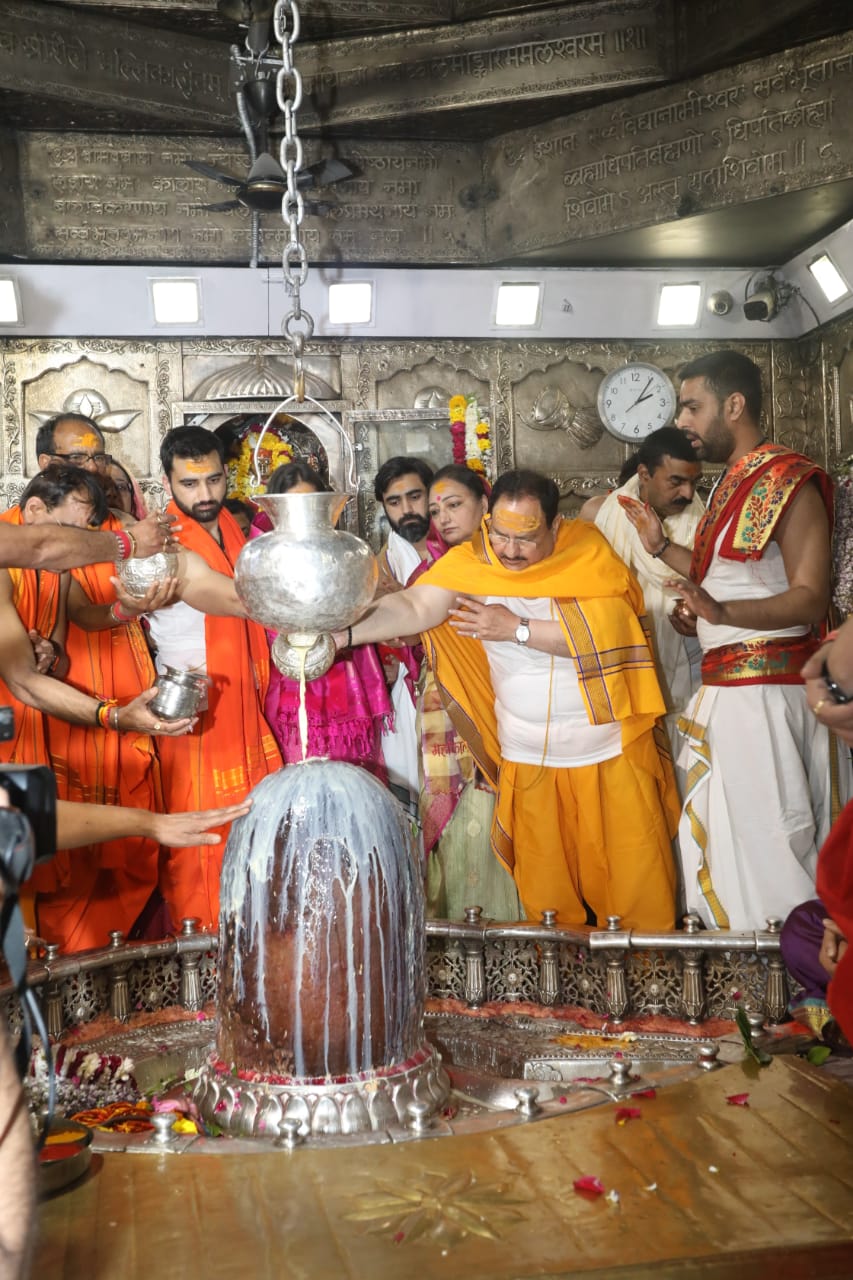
(10, 302)
(351, 302)
(518, 305)
(176, 301)
(830, 279)
(679, 304)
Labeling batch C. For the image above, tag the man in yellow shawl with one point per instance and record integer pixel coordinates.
(535, 635)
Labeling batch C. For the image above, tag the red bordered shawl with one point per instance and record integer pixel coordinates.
(750, 499)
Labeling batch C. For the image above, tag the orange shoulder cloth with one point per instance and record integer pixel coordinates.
(599, 605)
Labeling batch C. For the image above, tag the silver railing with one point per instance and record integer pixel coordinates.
(691, 975)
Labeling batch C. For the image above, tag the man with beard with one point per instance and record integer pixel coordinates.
(763, 771)
(665, 477)
(232, 747)
(402, 486)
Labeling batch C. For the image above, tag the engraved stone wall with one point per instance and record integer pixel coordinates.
(557, 52)
(87, 195)
(111, 64)
(761, 129)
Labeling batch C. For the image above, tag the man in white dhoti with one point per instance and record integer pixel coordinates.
(666, 476)
(763, 775)
(402, 486)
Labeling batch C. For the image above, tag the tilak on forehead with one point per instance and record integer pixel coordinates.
(438, 492)
(516, 521)
(90, 441)
(196, 466)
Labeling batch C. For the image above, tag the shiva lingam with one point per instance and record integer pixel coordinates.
(305, 579)
(321, 984)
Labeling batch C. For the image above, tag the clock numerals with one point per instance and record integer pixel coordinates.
(635, 401)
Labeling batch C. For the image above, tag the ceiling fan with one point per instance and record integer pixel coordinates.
(254, 83)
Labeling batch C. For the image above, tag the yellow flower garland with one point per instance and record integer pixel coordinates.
(275, 452)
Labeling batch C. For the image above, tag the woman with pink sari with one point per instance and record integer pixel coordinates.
(348, 706)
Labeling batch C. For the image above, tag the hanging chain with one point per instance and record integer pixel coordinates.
(298, 325)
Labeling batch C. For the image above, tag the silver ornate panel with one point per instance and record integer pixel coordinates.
(138, 380)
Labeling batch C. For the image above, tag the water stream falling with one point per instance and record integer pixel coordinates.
(303, 710)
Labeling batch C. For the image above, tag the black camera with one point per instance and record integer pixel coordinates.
(32, 792)
(28, 826)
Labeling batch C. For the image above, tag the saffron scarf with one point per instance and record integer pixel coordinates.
(751, 497)
(93, 765)
(599, 606)
(231, 748)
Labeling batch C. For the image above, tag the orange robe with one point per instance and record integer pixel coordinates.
(102, 887)
(35, 594)
(231, 747)
(598, 833)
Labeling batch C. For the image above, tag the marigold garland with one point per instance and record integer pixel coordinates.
(275, 452)
(470, 434)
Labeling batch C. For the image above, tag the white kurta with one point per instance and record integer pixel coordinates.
(676, 655)
(759, 772)
(400, 745)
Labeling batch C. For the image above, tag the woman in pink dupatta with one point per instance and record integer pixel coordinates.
(348, 705)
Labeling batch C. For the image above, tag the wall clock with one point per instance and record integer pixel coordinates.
(635, 400)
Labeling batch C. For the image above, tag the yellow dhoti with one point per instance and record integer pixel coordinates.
(597, 834)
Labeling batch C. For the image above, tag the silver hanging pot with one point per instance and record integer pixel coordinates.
(305, 578)
(179, 694)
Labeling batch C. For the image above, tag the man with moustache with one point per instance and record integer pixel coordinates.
(763, 772)
(232, 747)
(665, 479)
(402, 487)
(537, 645)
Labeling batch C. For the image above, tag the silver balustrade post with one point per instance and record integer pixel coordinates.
(692, 977)
(475, 967)
(776, 990)
(52, 995)
(549, 971)
(616, 980)
(119, 989)
(190, 963)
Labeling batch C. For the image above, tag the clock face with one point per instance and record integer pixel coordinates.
(635, 400)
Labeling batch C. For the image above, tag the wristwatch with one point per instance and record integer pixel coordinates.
(522, 631)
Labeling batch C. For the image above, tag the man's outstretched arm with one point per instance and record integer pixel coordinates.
(58, 547)
(404, 613)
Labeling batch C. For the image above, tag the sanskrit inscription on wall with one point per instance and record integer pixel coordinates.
(101, 197)
(102, 61)
(551, 52)
(762, 129)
